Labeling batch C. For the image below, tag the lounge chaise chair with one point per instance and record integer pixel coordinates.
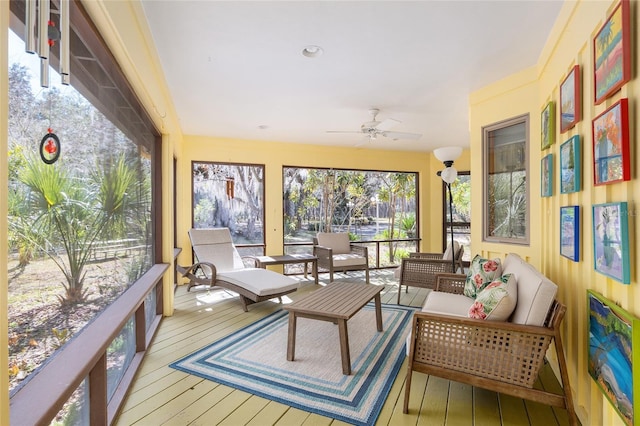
(219, 264)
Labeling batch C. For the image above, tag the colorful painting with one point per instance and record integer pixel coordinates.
(570, 111)
(613, 339)
(548, 125)
(611, 145)
(570, 165)
(612, 53)
(546, 176)
(570, 232)
(611, 240)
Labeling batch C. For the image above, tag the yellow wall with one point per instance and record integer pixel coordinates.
(4, 325)
(527, 92)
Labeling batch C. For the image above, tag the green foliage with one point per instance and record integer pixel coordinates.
(73, 213)
(401, 253)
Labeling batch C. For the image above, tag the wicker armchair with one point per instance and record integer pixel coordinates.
(499, 356)
(336, 254)
(421, 270)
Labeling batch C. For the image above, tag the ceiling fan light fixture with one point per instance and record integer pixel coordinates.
(312, 51)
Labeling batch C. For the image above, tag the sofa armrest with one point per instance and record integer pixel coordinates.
(448, 346)
(451, 283)
(423, 255)
(324, 255)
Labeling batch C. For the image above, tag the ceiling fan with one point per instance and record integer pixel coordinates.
(374, 128)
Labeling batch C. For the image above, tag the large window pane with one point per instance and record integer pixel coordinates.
(369, 205)
(461, 194)
(80, 229)
(230, 196)
(506, 193)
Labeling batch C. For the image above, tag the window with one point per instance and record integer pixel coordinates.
(461, 192)
(369, 205)
(506, 187)
(231, 196)
(82, 231)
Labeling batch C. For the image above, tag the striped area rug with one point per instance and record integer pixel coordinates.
(254, 360)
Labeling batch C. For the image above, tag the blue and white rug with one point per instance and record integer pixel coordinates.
(254, 360)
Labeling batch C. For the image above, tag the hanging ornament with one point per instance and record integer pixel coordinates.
(50, 147)
(53, 33)
(230, 183)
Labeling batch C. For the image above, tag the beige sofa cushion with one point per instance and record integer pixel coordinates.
(340, 260)
(338, 241)
(536, 292)
(442, 303)
(448, 253)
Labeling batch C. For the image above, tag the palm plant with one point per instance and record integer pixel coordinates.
(76, 212)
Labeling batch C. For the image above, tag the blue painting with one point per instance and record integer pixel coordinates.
(611, 344)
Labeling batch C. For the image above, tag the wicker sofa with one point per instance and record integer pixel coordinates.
(502, 355)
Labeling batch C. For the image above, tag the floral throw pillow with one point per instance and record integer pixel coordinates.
(497, 300)
(481, 272)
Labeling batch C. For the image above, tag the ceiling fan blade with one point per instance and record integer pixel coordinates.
(401, 135)
(387, 124)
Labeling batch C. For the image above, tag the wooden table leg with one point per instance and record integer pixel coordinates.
(291, 339)
(378, 312)
(314, 269)
(344, 347)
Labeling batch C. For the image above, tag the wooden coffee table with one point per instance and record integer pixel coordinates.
(336, 303)
(287, 259)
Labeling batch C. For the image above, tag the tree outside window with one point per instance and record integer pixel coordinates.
(506, 189)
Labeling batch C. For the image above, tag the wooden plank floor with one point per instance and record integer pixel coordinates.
(161, 395)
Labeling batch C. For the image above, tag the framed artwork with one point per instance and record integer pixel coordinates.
(570, 101)
(612, 53)
(613, 354)
(546, 176)
(548, 124)
(570, 232)
(611, 241)
(570, 177)
(610, 135)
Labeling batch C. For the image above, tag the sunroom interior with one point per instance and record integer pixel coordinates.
(134, 38)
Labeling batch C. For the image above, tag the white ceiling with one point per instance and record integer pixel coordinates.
(233, 67)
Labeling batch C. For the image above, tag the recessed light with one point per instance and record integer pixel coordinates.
(263, 127)
(312, 51)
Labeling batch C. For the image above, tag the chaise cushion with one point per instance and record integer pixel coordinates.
(536, 292)
(496, 301)
(481, 273)
(338, 241)
(262, 282)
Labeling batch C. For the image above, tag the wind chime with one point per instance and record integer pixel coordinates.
(230, 185)
(41, 35)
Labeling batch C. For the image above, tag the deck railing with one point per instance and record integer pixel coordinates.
(38, 401)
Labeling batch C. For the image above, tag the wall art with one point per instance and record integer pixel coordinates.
(570, 100)
(611, 241)
(570, 232)
(548, 125)
(610, 135)
(613, 354)
(546, 176)
(612, 53)
(570, 173)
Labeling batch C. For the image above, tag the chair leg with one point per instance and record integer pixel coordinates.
(407, 390)
(367, 275)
